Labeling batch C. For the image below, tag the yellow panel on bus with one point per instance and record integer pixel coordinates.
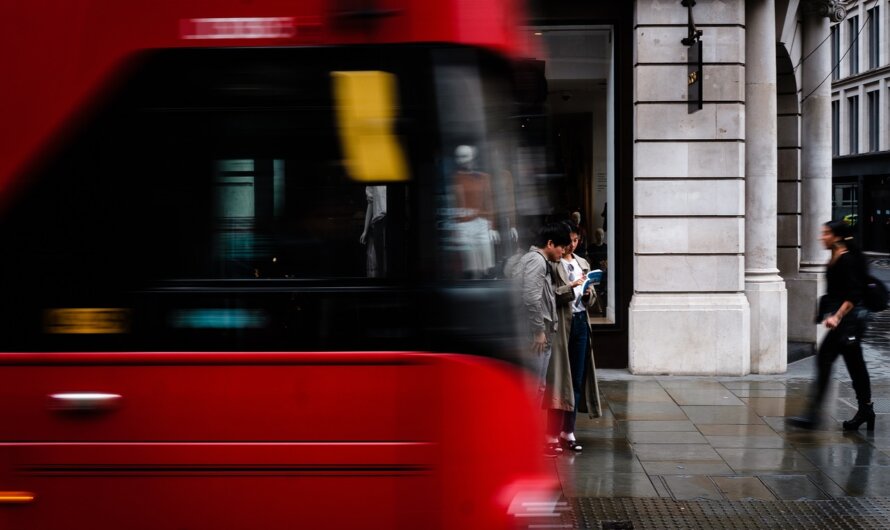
(366, 110)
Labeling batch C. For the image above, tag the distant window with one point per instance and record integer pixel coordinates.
(835, 52)
(845, 202)
(853, 56)
(853, 122)
(874, 44)
(874, 123)
(835, 128)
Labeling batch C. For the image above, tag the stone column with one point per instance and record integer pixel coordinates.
(815, 163)
(689, 313)
(764, 287)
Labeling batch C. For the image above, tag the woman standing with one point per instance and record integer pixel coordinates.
(571, 380)
(841, 311)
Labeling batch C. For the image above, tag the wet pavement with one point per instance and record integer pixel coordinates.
(725, 438)
(682, 440)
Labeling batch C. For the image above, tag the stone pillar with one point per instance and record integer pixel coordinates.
(689, 313)
(764, 287)
(815, 164)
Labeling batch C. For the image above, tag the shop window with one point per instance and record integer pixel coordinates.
(845, 203)
(569, 138)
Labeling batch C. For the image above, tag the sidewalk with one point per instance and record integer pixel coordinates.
(725, 438)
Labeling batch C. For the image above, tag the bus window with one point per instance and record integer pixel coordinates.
(271, 221)
(477, 215)
(207, 205)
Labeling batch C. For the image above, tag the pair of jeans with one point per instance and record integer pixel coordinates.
(842, 340)
(579, 341)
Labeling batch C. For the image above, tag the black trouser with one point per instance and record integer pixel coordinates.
(843, 340)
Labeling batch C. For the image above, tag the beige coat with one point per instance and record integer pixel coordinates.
(560, 394)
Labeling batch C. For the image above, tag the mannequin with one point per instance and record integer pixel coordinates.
(374, 234)
(475, 213)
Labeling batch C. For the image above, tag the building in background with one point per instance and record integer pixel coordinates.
(859, 105)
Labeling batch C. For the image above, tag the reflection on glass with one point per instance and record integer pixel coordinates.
(477, 195)
(235, 203)
(474, 231)
(567, 120)
(274, 219)
(374, 234)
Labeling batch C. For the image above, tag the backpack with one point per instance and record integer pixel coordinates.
(876, 296)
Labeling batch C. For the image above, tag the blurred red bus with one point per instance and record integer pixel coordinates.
(229, 232)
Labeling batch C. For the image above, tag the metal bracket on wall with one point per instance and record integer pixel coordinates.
(694, 34)
(694, 60)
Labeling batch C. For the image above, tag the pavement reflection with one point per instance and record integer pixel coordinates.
(725, 438)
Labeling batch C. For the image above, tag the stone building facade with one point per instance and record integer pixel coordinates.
(744, 184)
(714, 212)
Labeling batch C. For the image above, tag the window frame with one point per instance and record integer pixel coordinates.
(835, 128)
(874, 121)
(853, 56)
(853, 124)
(874, 40)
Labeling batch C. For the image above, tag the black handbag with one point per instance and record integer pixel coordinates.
(876, 295)
(827, 307)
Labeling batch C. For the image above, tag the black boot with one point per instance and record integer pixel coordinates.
(865, 414)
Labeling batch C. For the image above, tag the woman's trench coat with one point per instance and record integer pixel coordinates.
(560, 394)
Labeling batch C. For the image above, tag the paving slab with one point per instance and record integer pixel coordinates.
(687, 468)
(793, 487)
(766, 442)
(692, 487)
(655, 437)
(747, 459)
(704, 414)
(657, 426)
(662, 452)
(743, 489)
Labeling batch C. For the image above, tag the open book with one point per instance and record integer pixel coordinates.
(593, 278)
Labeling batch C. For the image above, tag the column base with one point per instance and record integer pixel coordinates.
(769, 325)
(804, 290)
(689, 334)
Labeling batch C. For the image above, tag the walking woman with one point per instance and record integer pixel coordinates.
(841, 311)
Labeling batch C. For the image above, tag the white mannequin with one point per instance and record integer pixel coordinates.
(474, 219)
(375, 229)
(465, 157)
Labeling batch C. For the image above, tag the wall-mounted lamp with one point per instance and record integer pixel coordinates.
(694, 33)
(695, 73)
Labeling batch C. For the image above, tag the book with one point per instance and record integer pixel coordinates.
(593, 278)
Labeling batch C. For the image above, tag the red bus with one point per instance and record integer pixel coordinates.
(241, 288)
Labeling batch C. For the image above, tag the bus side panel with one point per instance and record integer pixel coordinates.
(307, 403)
(191, 445)
(491, 443)
(224, 500)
